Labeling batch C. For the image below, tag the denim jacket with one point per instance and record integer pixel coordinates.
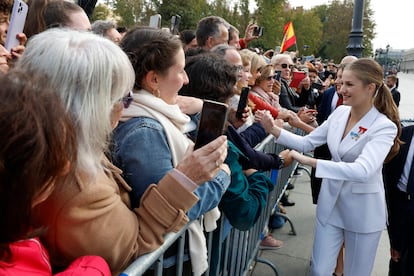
(141, 150)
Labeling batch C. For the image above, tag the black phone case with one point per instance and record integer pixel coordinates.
(242, 102)
(212, 122)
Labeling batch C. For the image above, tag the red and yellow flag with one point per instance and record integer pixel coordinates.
(289, 38)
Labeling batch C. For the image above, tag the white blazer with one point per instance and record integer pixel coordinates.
(352, 193)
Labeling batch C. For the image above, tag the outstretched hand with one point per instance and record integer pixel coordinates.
(303, 159)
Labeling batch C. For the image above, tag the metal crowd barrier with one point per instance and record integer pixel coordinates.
(240, 248)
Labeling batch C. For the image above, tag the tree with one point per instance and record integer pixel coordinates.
(269, 14)
(336, 29)
(101, 12)
(308, 30)
(191, 11)
(129, 11)
(368, 30)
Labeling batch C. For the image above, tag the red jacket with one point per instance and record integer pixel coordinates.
(29, 257)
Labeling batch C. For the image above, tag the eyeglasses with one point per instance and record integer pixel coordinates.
(127, 100)
(285, 65)
(269, 78)
(239, 68)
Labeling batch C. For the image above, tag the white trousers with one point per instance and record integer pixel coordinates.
(360, 250)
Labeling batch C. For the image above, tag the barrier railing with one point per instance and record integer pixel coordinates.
(239, 249)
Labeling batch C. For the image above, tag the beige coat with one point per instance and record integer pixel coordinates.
(85, 218)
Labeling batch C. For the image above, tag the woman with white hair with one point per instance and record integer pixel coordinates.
(89, 212)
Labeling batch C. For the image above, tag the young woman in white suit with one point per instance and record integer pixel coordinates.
(361, 135)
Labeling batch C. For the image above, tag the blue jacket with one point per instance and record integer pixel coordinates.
(141, 150)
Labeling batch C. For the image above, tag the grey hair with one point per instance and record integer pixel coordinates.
(209, 26)
(277, 58)
(221, 49)
(100, 27)
(90, 74)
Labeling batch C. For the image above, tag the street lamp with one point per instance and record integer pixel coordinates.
(386, 58)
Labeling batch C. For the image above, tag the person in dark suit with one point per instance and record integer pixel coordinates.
(392, 83)
(399, 186)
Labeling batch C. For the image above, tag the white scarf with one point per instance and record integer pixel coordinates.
(174, 123)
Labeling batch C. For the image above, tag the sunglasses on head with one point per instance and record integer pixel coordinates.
(127, 100)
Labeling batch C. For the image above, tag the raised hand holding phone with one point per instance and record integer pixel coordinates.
(17, 21)
(242, 102)
(212, 122)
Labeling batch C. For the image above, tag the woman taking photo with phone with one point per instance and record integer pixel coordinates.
(151, 138)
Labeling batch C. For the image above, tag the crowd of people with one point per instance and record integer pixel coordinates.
(97, 157)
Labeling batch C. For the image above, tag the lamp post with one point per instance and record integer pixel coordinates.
(355, 46)
(386, 58)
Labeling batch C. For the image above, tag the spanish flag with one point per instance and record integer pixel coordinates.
(289, 38)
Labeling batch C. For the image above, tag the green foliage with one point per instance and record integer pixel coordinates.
(325, 28)
(308, 30)
(190, 11)
(368, 30)
(270, 15)
(101, 12)
(129, 11)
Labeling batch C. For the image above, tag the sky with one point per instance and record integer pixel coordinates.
(393, 19)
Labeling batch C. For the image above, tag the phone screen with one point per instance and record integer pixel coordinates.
(17, 20)
(242, 102)
(258, 31)
(212, 122)
(277, 75)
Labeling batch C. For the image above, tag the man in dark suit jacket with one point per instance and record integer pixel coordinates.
(392, 83)
(400, 204)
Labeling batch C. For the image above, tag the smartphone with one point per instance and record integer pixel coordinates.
(17, 20)
(242, 102)
(316, 85)
(277, 75)
(155, 21)
(258, 31)
(212, 122)
(297, 78)
(175, 23)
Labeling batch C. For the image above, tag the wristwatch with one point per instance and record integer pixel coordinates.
(282, 162)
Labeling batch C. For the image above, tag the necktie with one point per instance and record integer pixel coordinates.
(410, 182)
(339, 101)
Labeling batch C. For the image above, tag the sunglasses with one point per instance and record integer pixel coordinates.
(127, 100)
(285, 65)
(269, 78)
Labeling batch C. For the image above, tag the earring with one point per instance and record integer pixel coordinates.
(156, 93)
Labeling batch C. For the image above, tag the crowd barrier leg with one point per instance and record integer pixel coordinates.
(292, 228)
(269, 263)
(237, 251)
